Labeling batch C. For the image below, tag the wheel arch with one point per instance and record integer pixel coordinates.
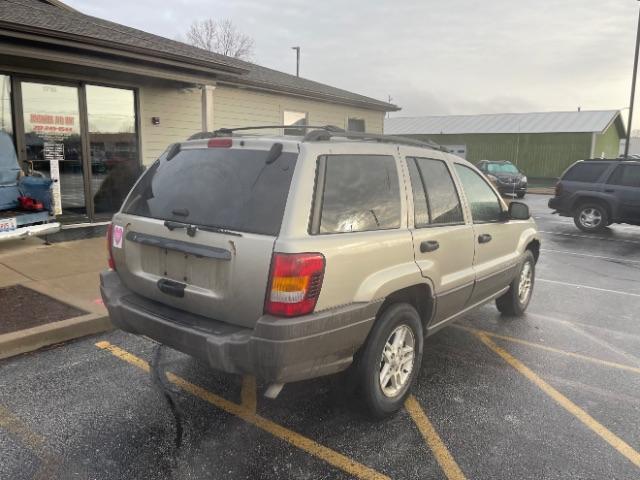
(586, 199)
(420, 296)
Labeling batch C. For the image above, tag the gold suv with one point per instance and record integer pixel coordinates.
(295, 257)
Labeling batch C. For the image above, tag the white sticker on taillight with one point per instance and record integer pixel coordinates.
(116, 236)
(287, 297)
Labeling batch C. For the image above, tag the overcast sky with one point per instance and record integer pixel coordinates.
(431, 57)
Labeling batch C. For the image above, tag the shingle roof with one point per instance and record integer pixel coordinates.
(46, 17)
(537, 122)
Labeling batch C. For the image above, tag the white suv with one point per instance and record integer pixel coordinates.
(295, 257)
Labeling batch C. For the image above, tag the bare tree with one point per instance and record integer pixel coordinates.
(220, 37)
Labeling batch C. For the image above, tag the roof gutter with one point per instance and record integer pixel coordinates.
(308, 94)
(41, 35)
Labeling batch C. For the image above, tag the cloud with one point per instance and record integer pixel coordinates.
(454, 56)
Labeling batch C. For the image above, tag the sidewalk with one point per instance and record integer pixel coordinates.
(67, 272)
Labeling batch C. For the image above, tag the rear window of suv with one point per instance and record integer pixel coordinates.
(585, 172)
(225, 188)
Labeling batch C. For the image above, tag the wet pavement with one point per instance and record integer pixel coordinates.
(553, 395)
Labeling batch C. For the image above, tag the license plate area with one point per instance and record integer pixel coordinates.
(193, 270)
(8, 224)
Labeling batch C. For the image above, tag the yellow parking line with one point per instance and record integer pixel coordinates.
(248, 393)
(616, 442)
(443, 457)
(48, 461)
(13, 425)
(551, 349)
(310, 446)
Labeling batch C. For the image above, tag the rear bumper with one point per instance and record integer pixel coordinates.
(30, 231)
(556, 203)
(276, 350)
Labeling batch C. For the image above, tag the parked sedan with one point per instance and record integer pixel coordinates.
(505, 176)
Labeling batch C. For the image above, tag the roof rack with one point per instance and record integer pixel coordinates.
(323, 133)
(226, 132)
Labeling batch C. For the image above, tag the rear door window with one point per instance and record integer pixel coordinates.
(585, 172)
(360, 193)
(216, 187)
(441, 204)
(626, 176)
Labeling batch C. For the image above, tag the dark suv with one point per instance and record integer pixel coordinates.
(505, 176)
(597, 193)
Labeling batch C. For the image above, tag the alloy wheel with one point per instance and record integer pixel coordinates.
(396, 364)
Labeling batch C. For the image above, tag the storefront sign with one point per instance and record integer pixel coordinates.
(54, 153)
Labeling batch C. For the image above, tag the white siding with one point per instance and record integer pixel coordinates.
(180, 117)
(236, 107)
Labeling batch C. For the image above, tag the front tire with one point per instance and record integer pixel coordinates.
(389, 364)
(521, 194)
(516, 300)
(591, 217)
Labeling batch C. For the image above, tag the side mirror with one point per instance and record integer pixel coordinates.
(519, 211)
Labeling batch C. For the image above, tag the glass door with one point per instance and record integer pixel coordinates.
(53, 142)
(113, 145)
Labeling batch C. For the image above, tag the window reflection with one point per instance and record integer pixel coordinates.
(113, 145)
(6, 124)
(361, 193)
(298, 122)
(52, 138)
(485, 206)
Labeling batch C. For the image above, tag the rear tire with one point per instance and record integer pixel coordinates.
(516, 300)
(388, 365)
(591, 217)
(521, 195)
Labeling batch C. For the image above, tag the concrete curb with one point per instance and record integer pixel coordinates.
(31, 339)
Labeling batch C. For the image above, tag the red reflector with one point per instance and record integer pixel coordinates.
(220, 143)
(294, 283)
(110, 262)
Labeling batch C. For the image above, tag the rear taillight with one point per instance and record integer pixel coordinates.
(220, 143)
(294, 283)
(111, 263)
(558, 189)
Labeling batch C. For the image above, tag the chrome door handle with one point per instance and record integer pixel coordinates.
(484, 238)
(429, 246)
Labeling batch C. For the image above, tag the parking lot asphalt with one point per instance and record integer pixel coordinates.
(553, 395)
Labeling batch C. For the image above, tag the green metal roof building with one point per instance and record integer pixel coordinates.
(541, 144)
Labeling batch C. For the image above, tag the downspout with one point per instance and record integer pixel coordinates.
(207, 107)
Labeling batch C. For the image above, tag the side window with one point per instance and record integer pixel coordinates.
(484, 204)
(441, 204)
(361, 193)
(585, 172)
(626, 176)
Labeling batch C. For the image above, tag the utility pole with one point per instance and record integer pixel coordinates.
(633, 89)
(297, 49)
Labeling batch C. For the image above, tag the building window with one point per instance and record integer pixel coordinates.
(6, 123)
(95, 168)
(298, 122)
(356, 125)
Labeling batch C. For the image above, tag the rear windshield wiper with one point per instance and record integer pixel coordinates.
(192, 229)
